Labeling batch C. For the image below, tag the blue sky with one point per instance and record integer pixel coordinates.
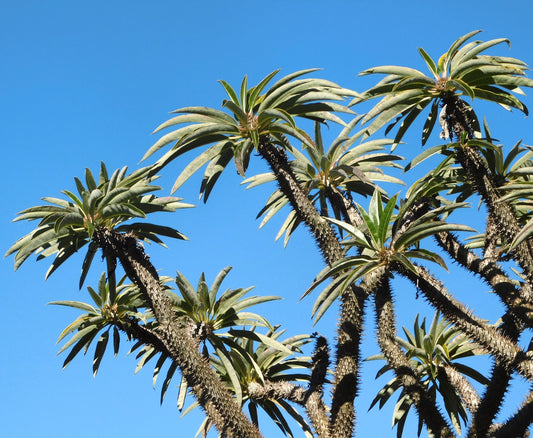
(83, 82)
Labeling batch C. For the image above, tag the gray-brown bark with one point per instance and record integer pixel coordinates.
(501, 213)
(309, 399)
(466, 391)
(350, 321)
(491, 401)
(399, 362)
(209, 390)
(517, 300)
(502, 216)
(517, 425)
(487, 336)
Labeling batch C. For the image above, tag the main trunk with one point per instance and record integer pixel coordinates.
(350, 322)
(209, 390)
(397, 360)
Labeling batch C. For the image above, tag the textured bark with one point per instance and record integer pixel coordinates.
(398, 361)
(346, 206)
(501, 213)
(518, 300)
(346, 383)
(320, 361)
(144, 334)
(463, 387)
(517, 425)
(209, 390)
(350, 322)
(486, 335)
(491, 250)
(499, 380)
(491, 402)
(310, 400)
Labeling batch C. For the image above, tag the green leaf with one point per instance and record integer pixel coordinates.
(258, 337)
(429, 62)
(392, 70)
(257, 90)
(187, 290)
(442, 149)
(244, 94)
(227, 360)
(85, 333)
(453, 50)
(76, 304)
(197, 163)
(182, 393)
(419, 232)
(170, 373)
(99, 351)
(116, 340)
(525, 233)
(89, 179)
(87, 261)
(231, 92)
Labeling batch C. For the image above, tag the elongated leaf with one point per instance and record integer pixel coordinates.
(99, 351)
(231, 92)
(258, 89)
(88, 332)
(226, 360)
(419, 232)
(170, 373)
(392, 70)
(429, 62)
(197, 163)
(258, 337)
(76, 304)
(87, 261)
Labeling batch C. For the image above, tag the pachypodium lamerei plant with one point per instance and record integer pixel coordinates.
(435, 353)
(225, 359)
(331, 176)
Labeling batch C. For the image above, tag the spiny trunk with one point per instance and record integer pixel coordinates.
(314, 403)
(499, 380)
(350, 321)
(310, 400)
(396, 358)
(349, 212)
(500, 212)
(518, 300)
(466, 391)
(346, 383)
(487, 336)
(517, 425)
(491, 401)
(491, 250)
(209, 390)
(460, 123)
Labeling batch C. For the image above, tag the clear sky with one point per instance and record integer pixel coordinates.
(82, 82)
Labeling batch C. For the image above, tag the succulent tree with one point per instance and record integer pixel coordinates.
(435, 353)
(229, 358)
(98, 218)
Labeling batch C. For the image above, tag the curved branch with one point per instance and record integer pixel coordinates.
(486, 335)
(501, 213)
(350, 325)
(500, 377)
(209, 390)
(518, 300)
(466, 391)
(517, 425)
(310, 400)
(399, 362)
